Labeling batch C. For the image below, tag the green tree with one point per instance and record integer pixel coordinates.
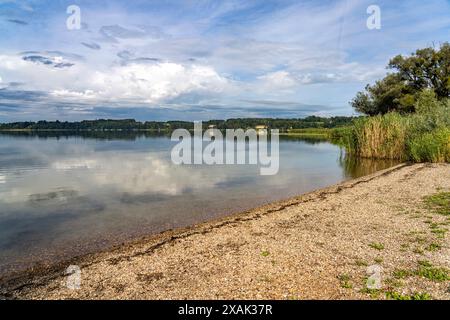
(399, 91)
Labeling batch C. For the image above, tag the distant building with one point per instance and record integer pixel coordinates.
(261, 129)
(211, 127)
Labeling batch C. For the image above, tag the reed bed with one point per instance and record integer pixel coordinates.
(419, 137)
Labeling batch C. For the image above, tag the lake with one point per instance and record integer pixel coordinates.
(63, 195)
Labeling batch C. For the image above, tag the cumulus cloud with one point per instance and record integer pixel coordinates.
(279, 79)
(147, 83)
(137, 80)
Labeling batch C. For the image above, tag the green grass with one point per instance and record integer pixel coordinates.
(392, 295)
(376, 246)
(435, 274)
(424, 263)
(401, 273)
(310, 131)
(417, 137)
(433, 247)
(393, 283)
(430, 147)
(439, 232)
(374, 293)
(439, 203)
(427, 270)
(265, 253)
(434, 225)
(345, 281)
(361, 263)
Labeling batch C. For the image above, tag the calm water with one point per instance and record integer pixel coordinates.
(62, 196)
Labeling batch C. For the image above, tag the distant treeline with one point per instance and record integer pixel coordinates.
(131, 124)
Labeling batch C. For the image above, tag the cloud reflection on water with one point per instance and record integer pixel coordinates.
(74, 194)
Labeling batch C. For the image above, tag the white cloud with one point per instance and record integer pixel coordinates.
(142, 82)
(132, 173)
(154, 83)
(279, 79)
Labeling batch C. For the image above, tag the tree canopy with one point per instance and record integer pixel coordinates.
(427, 69)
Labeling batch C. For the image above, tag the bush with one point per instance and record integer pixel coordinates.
(431, 147)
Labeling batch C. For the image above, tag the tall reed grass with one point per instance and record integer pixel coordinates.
(419, 137)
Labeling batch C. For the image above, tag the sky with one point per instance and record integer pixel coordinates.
(200, 60)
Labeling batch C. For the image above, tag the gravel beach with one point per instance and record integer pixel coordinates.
(316, 246)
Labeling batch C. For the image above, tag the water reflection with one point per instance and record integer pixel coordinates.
(306, 139)
(101, 135)
(63, 195)
(131, 135)
(357, 167)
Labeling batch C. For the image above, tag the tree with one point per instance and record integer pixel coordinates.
(399, 91)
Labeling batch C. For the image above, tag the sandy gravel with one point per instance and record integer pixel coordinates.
(316, 246)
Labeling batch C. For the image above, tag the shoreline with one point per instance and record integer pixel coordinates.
(40, 281)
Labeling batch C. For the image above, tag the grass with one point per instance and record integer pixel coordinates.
(418, 137)
(401, 273)
(433, 146)
(439, 232)
(433, 247)
(392, 295)
(376, 246)
(345, 281)
(378, 137)
(424, 263)
(439, 203)
(434, 225)
(427, 270)
(434, 274)
(393, 283)
(361, 263)
(323, 132)
(404, 247)
(265, 253)
(419, 239)
(374, 293)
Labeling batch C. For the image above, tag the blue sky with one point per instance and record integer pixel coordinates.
(198, 60)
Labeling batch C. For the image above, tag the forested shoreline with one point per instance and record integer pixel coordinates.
(131, 124)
